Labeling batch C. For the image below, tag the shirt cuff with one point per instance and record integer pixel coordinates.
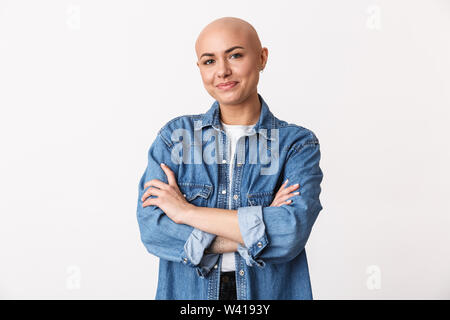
(253, 231)
(194, 254)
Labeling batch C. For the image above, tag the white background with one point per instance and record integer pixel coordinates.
(85, 85)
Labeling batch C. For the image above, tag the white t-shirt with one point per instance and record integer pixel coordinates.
(234, 132)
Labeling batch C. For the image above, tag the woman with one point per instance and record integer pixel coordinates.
(208, 207)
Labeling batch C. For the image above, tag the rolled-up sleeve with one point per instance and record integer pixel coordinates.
(194, 251)
(160, 235)
(253, 232)
(279, 234)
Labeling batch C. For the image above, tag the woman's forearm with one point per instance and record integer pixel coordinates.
(222, 245)
(220, 222)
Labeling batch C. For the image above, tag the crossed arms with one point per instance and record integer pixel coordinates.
(176, 230)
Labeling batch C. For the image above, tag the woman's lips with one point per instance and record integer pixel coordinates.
(228, 85)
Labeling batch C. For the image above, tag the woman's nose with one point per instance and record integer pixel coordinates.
(223, 69)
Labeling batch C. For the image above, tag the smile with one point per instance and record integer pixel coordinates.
(227, 85)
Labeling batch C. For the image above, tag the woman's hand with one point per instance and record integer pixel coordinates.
(283, 194)
(169, 197)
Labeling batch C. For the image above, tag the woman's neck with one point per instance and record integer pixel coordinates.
(246, 113)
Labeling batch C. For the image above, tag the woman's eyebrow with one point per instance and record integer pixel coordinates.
(226, 51)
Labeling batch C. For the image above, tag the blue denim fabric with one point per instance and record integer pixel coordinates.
(273, 263)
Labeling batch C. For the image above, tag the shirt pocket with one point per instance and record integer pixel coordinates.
(196, 193)
(261, 198)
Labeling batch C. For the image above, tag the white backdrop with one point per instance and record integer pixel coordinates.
(85, 85)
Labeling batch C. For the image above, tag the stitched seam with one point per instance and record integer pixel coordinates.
(168, 144)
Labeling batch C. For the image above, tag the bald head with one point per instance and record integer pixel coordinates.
(230, 58)
(227, 28)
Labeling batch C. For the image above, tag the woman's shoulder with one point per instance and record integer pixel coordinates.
(182, 125)
(185, 121)
(297, 133)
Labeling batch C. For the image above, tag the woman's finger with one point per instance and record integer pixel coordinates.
(156, 183)
(284, 202)
(283, 185)
(151, 192)
(293, 187)
(150, 202)
(284, 193)
(290, 189)
(280, 191)
(170, 175)
(284, 197)
(287, 196)
(279, 204)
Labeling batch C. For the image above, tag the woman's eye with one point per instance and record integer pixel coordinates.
(235, 54)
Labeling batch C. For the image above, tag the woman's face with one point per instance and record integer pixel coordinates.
(227, 57)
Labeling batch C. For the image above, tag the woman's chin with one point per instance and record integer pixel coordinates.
(229, 97)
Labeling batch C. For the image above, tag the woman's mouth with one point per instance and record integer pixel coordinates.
(227, 85)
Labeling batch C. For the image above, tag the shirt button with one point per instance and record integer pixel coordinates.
(239, 164)
(215, 266)
(241, 272)
(235, 197)
(224, 191)
(184, 260)
(259, 244)
(184, 195)
(224, 161)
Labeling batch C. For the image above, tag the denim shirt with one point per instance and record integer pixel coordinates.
(272, 264)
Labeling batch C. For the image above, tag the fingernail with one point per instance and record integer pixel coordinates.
(297, 192)
(296, 185)
(286, 180)
(162, 163)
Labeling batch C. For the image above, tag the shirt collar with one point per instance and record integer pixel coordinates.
(266, 119)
